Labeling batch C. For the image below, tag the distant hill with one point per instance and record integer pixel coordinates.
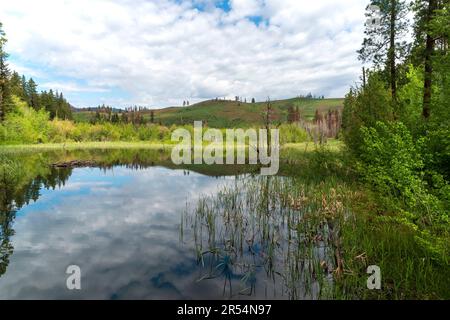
(229, 114)
(95, 109)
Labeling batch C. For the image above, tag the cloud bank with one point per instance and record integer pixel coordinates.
(159, 53)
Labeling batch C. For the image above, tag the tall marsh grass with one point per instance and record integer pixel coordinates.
(268, 233)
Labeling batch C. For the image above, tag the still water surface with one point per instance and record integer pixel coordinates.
(123, 226)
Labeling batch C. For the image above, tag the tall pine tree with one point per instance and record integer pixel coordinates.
(384, 32)
(425, 45)
(16, 86)
(32, 94)
(4, 76)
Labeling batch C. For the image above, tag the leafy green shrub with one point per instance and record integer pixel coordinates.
(410, 98)
(103, 132)
(61, 130)
(164, 133)
(81, 132)
(291, 133)
(145, 133)
(24, 124)
(391, 162)
(364, 107)
(127, 132)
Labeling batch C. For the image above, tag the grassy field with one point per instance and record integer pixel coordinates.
(229, 114)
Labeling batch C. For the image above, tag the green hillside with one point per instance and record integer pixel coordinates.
(226, 114)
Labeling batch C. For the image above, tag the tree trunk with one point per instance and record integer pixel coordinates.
(364, 77)
(2, 113)
(429, 49)
(391, 53)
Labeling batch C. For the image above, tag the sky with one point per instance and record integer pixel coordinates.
(161, 53)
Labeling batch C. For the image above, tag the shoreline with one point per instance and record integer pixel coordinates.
(332, 145)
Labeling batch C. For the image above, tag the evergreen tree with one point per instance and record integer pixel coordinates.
(4, 77)
(63, 110)
(32, 94)
(16, 86)
(364, 107)
(24, 88)
(384, 32)
(425, 44)
(48, 101)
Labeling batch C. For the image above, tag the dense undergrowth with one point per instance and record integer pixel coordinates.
(24, 125)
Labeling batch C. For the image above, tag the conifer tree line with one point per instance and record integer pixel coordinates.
(391, 55)
(135, 115)
(415, 72)
(13, 84)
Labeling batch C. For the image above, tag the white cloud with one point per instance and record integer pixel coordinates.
(70, 87)
(165, 51)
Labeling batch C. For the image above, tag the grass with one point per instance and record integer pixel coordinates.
(82, 145)
(232, 114)
(332, 145)
(229, 114)
(373, 237)
(253, 227)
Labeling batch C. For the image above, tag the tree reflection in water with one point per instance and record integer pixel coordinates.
(21, 179)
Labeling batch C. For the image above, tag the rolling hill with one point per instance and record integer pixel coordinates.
(228, 114)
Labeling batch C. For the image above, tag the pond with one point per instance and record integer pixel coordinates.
(140, 228)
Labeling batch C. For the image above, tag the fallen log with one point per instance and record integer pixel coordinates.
(74, 164)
